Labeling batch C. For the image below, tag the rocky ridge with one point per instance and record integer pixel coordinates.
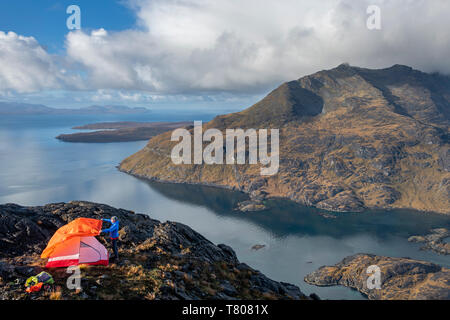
(159, 260)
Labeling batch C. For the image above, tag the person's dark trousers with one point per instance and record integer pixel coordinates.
(116, 251)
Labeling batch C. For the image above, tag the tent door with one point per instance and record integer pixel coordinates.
(88, 254)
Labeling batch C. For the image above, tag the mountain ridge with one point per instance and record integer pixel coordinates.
(350, 138)
(311, 85)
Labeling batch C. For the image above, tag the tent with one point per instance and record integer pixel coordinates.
(75, 244)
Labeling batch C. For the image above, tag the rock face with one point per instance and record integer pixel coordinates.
(401, 278)
(158, 260)
(435, 241)
(350, 138)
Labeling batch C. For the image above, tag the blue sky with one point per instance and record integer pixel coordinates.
(46, 19)
(204, 54)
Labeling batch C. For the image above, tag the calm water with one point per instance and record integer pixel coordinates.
(37, 169)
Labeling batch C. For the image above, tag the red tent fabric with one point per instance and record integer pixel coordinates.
(75, 244)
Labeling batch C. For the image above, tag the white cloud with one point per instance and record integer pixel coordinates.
(101, 95)
(27, 67)
(130, 96)
(251, 45)
(236, 46)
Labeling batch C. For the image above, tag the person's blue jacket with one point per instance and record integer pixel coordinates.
(113, 230)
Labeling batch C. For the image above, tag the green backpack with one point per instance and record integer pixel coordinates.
(44, 277)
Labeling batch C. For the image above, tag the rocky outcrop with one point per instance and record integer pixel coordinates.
(159, 260)
(251, 206)
(401, 278)
(434, 241)
(350, 139)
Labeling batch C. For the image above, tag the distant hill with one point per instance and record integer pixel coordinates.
(24, 108)
(350, 138)
(15, 108)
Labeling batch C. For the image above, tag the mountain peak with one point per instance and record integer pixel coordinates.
(343, 66)
(401, 67)
(399, 89)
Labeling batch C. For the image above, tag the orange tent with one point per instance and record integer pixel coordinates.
(75, 244)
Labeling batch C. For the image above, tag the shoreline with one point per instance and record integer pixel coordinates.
(225, 187)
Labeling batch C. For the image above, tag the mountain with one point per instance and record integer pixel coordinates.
(15, 108)
(350, 138)
(112, 109)
(23, 108)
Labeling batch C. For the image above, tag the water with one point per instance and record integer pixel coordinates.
(36, 169)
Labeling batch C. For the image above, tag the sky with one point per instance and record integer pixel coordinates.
(204, 54)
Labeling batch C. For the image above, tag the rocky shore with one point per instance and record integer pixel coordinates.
(401, 278)
(434, 241)
(159, 260)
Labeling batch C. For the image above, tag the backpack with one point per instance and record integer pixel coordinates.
(43, 277)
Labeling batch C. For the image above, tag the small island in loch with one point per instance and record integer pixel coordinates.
(159, 260)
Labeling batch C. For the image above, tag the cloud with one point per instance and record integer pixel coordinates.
(208, 47)
(102, 96)
(251, 45)
(27, 67)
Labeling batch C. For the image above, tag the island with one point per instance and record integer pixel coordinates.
(123, 131)
(21, 109)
